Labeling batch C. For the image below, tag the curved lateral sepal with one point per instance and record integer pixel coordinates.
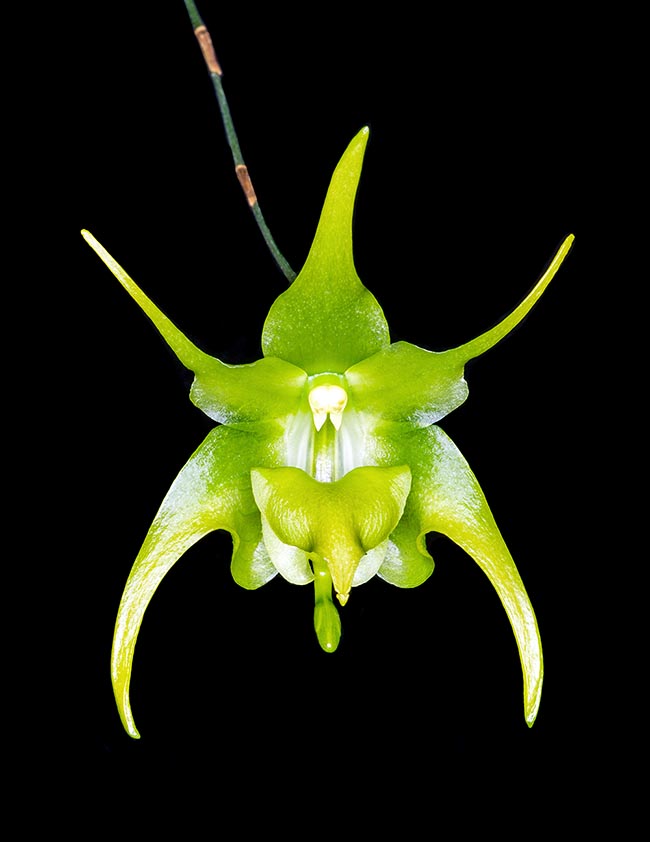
(211, 492)
(448, 499)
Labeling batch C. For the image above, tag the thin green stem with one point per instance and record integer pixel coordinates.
(327, 622)
(241, 170)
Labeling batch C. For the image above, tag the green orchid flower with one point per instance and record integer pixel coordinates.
(327, 465)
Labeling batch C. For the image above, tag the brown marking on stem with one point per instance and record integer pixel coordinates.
(205, 42)
(246, 184)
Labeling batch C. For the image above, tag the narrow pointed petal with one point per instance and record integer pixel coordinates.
(447, 498)
(186, 351)
(327, 320)
(404, 383)
(490, 338)
(229, 394)
(211, 492)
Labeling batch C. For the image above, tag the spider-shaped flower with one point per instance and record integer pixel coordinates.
(327, 465)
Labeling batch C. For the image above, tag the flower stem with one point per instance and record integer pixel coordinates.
(326, 616)
(241, 170)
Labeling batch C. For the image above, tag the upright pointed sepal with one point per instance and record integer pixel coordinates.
(327, 320)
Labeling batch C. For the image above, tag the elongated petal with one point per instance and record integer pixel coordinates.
(405, 383)
(327, 320)
(230, 394)
(447, 498)
(211, 492)
(490, 338)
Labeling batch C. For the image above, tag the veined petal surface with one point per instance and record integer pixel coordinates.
(211, 492)
(327, 320)
(446, 498)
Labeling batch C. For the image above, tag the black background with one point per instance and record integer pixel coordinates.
(487, 147)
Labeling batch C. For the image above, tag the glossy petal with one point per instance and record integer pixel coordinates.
(291, 562)
(405, 383)
(407, 563)
(238, 395)
(211, 492)
(327, 320)
(447, 498)
(476, 347)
